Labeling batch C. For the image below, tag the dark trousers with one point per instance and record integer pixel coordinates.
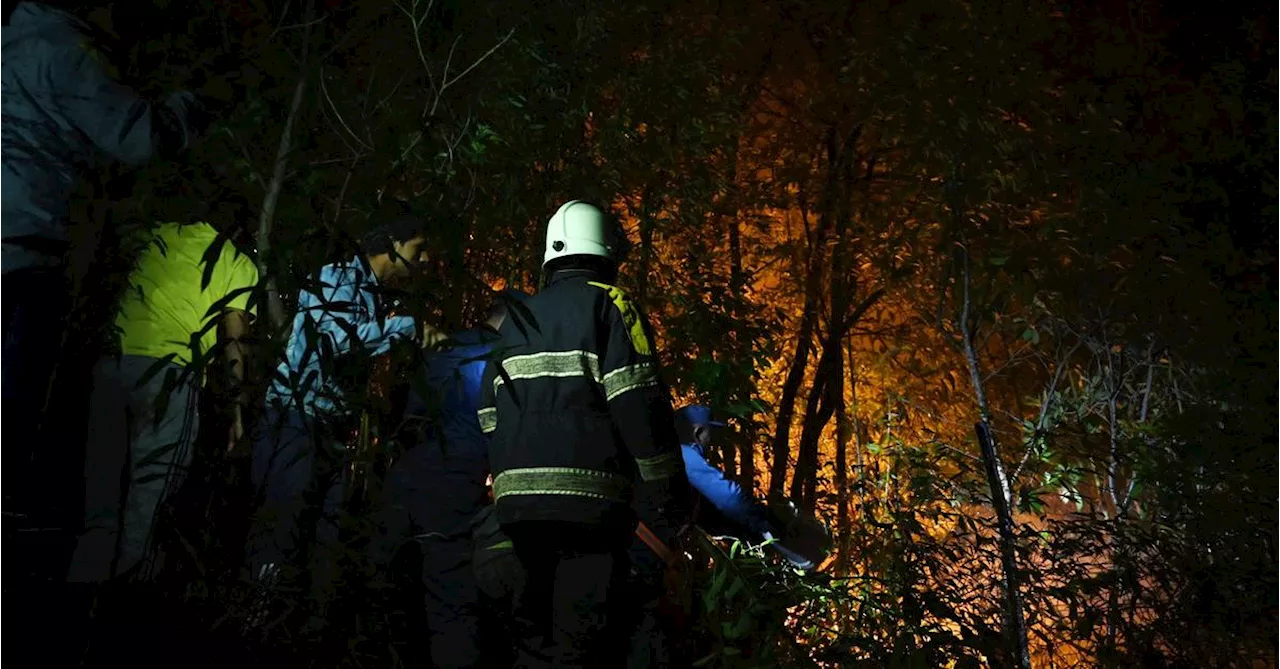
(571, 606)
(657, 638)
(451, 603)
(135, 459)
(422, 505)
(43, 463)
(297, 470)
(650, 627)
(35, 304)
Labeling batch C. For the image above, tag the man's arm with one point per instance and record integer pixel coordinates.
(725, 494)
(377, 336)
(119, 121)
(347, 309)
(234, 331)
(641, 408)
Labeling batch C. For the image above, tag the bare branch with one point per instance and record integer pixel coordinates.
(324, 90)
(417, 35)
(342, 193)
(444, 76)
(244, 150)
(953, 449)
(275, 308)
(283, 14)
(1112, 464)
(482, 58)
(1146, 394)
(1046, 402)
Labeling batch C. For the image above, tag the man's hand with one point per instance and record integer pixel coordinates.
(236, 433)
(431, 337)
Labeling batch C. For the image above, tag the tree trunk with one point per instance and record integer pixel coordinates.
(646, 247)
(744, 346)
(818, 406)
(808, 320)
(744, 349)
(817, 414)
(275, 307)
(827, 394)
(844, 432)
(1001, 495)
(787, 405)
(818, 411)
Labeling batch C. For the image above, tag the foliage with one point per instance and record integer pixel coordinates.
(1108, 178)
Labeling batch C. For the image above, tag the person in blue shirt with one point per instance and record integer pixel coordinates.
(342, 321)
(722, 507)
(721, 494)
(435, 489)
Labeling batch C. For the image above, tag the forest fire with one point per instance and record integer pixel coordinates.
(986, 290)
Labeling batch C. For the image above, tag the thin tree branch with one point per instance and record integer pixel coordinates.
(481, 59)
(417, 35)
(444, 76)
(275, 308)
(324, 90)
(1046, 402)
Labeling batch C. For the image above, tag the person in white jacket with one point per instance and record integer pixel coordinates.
(63, 117)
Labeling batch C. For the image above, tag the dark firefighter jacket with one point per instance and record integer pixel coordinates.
(577, 414)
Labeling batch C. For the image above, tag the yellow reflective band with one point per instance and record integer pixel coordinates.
(660, 466)
(488, 419)
(561, 481)
(639, 340)
(501, 546)
(630, 377)
(550, 364)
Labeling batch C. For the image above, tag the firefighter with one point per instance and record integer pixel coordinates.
(721, 507)
(343, 320)
(578, 418)
(435, 489)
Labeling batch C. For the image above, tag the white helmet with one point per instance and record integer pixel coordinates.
(579, 229)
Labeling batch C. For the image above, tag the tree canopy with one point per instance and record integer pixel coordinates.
(860, 229)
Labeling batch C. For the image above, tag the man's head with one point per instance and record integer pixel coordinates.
(501, 306)
(394, 249)
(694, 424)
(6, 10)
(581, 236)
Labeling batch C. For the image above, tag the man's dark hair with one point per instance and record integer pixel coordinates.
(6, 10)
(685, 429)
(382, 239)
